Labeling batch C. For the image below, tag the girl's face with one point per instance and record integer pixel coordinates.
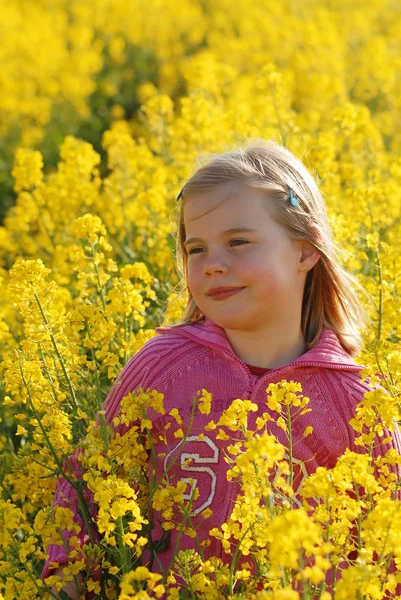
(260, 258)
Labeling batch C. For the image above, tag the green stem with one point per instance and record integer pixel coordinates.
(177, 453)
(162, 479)
(61, 361)
(6, 491)
(98, 398)
(322, 586)
(125, 339)
(380, 324)
(52, 471)
(48, 374)
(186, 515)
(290, 450)
(188, 581)
(100, 287)
(234, 561)
(153, 487)
(124, 551)
(334, 581)
(80, 497)
(125, 253)
(198, 546)
(305, 585)
(77, 586)
(385, 382)
(33, 579)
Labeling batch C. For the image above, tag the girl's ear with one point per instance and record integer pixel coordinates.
(309, 255)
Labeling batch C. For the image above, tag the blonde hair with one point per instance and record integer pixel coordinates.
(329, 299)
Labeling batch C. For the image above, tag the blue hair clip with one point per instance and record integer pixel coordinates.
(293, 199)
(179, 195)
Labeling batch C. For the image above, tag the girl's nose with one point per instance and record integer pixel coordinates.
(215, 264)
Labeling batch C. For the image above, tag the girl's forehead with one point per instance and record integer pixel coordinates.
(228, 204)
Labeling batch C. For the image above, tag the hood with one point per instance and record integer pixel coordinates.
(328, 351)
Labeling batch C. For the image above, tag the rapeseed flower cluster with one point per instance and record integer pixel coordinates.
(92, 162)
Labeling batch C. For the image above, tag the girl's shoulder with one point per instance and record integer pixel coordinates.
(163, 344)
(165, 338)
(147, 367)
(350, 388)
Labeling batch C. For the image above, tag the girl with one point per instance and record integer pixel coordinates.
(267, 301)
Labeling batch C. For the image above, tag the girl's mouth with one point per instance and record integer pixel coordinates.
(225, 293)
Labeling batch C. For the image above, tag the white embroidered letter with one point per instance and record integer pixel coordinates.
(193, 462)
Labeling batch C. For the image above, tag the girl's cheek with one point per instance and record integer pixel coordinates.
(247, 264)
(194, 276)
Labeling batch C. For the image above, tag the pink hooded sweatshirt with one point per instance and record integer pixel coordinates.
(180, 361)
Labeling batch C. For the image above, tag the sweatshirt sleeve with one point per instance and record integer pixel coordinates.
(395, 445)
(380, 448)
(138, 372)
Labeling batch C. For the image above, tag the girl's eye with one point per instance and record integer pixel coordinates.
(242, 241)
(194, 250)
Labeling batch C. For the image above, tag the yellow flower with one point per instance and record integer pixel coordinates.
(176, 415)
(21, 430)
(27, 170)
(132, 582)
(204, 402)
(87, 242)
(235, 417)
(222, 435)
(93, 586)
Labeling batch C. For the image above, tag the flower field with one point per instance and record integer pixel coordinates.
(105, 109)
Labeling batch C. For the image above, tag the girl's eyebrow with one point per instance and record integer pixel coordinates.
(233, 230)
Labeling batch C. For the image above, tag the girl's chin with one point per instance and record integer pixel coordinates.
(234, 322)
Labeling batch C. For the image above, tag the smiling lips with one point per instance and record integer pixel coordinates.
(223, 292)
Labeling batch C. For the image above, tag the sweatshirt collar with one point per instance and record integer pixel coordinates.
(327, 352)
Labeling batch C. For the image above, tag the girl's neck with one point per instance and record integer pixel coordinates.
(268, 349)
